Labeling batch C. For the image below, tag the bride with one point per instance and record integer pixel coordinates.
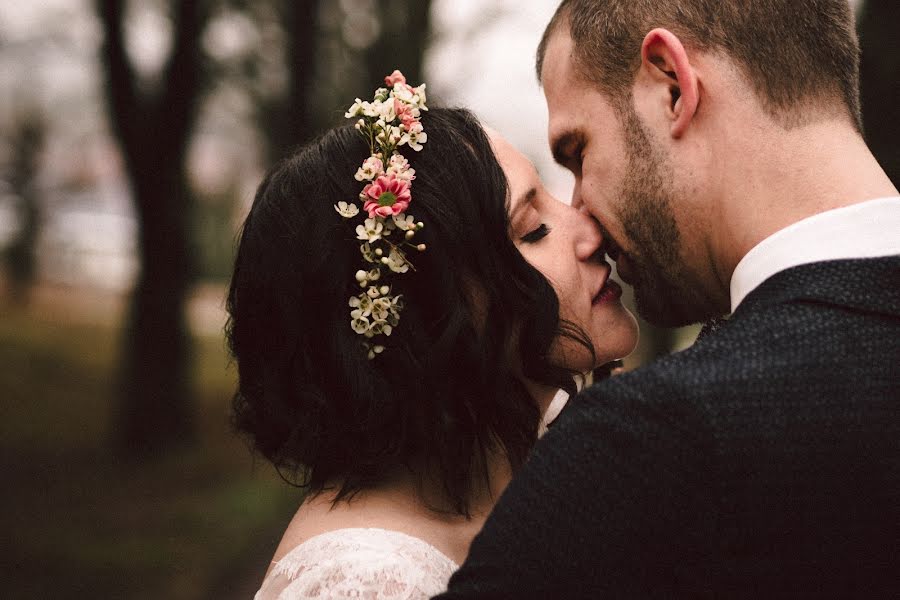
(399, 329)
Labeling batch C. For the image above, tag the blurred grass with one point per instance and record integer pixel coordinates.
(78, 522)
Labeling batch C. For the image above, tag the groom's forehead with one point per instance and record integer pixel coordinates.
(558, 74)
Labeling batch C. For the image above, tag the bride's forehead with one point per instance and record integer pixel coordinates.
(507, 154)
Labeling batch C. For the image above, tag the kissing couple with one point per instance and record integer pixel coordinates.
(407, 299)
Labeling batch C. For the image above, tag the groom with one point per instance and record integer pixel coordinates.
(719, 146)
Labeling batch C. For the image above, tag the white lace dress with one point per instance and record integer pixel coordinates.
(370, 564)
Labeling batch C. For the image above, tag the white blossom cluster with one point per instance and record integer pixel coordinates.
(389, 121)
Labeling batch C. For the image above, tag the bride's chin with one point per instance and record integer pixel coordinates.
(618, 342)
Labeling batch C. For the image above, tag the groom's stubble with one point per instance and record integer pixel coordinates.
(665, 291)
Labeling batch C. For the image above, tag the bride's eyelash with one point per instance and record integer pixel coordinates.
(533, 236)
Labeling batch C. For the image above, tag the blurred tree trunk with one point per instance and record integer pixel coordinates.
(153, 130)
(405, 33)
(27, 144)
(293, 124)
(880, 82)
(285, 119)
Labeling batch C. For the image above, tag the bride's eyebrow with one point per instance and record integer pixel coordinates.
(520, 202)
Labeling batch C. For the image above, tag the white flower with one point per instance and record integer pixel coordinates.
(381, 308)
(367, 254)
(404, 222)
(348, 211)
(402, 92)
(388, 110)
(370, 109)
(399, 167)
(362, 305)
(396, 307)
(361, 325)
(397, 163)
(414, 141)
(415, 137)
(397, 262)
(370, 232)
(371, 168)
(420, 97)
(413, 96)
(355, 109)
(373, 292)
(379, 327)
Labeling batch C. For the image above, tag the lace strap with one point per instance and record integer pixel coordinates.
(372, 563)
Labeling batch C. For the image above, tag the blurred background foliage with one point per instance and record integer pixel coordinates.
(132, 135)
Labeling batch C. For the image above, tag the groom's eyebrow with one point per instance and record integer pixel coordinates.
(562, 147)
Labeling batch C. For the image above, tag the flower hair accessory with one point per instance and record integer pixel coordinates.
(390, 121)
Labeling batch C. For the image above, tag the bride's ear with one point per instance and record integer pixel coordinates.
(668, 70)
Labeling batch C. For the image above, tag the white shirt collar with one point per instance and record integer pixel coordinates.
(867, 230)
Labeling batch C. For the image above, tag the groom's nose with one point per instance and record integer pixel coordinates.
(577, 200)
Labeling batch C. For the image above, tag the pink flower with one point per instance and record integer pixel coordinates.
(399, 166)
(405, 113)
(393, 78)
(386, 196)
(371, 168)
(415, 128)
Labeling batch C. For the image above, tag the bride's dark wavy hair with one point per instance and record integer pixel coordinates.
(447, 390)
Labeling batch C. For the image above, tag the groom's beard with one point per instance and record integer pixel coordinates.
(664, 289)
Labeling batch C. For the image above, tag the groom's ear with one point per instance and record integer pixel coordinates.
(666, 67)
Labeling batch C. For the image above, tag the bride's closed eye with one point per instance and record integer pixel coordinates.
(536, 235)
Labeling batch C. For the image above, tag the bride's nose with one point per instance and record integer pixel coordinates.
(588, 237)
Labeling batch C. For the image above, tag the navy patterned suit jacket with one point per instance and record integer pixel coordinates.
(763, 462)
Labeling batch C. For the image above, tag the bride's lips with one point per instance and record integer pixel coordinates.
(610, 291)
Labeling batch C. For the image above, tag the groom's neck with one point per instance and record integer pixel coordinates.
(777, 178)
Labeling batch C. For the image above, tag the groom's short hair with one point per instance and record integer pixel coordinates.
(797, 54)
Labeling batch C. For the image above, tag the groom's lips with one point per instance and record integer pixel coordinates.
(611, 249)
(622, 262)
